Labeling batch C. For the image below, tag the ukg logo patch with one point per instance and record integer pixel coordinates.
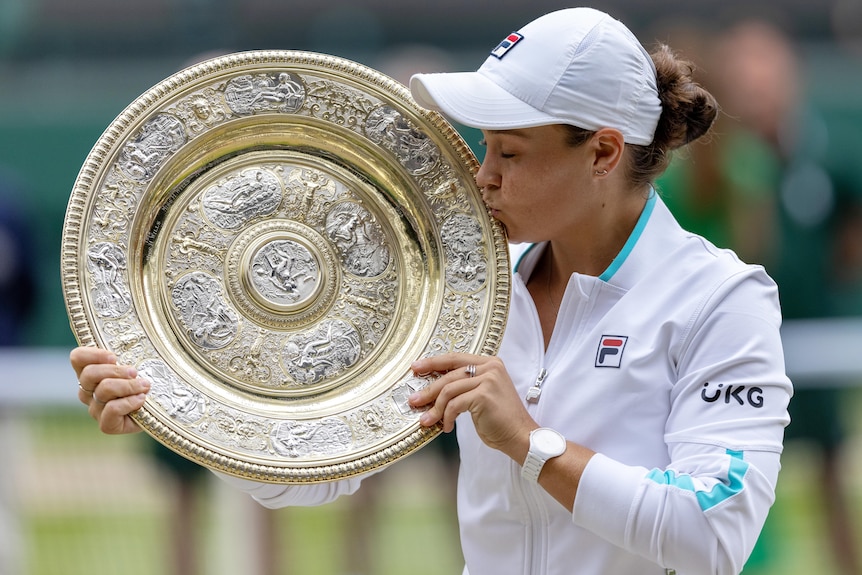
(610, 352)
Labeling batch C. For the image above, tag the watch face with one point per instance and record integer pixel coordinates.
(549, 441)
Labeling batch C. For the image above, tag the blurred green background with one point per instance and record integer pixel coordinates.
(74, 501)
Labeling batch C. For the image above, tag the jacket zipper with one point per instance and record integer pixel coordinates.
(535, 390)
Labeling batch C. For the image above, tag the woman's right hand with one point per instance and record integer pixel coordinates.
(111, 392)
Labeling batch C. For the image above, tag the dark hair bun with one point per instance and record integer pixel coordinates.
(688, 110)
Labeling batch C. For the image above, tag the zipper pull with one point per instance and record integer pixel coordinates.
(536, 389)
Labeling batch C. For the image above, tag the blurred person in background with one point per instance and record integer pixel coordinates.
(17, 301)
(651, 450)
(766, 192)
(17, 279)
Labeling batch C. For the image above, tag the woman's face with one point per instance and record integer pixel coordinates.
(536, 183)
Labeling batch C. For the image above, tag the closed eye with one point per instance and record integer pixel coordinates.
(503, 155)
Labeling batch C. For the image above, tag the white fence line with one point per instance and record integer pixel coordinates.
(818, 353)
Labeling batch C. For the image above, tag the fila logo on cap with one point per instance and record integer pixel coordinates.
(507, 44)
(610, 353)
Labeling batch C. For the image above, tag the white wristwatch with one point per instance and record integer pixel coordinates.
(545, 443)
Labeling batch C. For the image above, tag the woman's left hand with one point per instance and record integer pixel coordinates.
(482, 386)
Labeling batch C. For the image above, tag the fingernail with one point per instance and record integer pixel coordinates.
(414, 397)
(426, 418)
(112, 358)
(133, 373)
(145, 383)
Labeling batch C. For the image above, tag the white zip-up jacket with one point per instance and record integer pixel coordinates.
(670, 366)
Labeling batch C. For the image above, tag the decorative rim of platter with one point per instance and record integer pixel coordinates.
(272, 238)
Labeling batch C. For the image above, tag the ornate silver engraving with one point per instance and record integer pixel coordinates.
(110, 295)
(158, 139)
(326, 436)
(466, 260)
(323, 352)
(179, 400)
(369, 306)
(459, 316)
(448, 198)
(252, 365)
(416, 152)
(338, 104)
(402, 392)
(210, 323)
(236, 429)
(112, 212)
(249, 94)
(285, 272)
(374, 421)
(242, 197)
(201, 111)
(359, 238)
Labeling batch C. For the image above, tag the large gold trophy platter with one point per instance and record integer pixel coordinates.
(272, 238)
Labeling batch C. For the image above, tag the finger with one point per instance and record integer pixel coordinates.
(438, 394)
(441, 364)
(108, 389)
(114, 399)
(428, 394)
(92, 375)
(114, 417)
(446, 362)
(80, 357)
(451, 402)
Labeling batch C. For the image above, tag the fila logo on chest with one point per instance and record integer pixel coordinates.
(610, 352)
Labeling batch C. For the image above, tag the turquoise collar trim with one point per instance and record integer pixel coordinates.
(633, 239)
(627, 248)
(523, 255)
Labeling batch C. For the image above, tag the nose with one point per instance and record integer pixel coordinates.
(487, 176)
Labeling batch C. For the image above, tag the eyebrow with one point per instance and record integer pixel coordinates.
(519, 132)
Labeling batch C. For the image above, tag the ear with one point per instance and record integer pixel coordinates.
(608, 144)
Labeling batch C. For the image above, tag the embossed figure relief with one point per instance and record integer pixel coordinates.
(249, 94)
(201, 111)
(208, 320)
(177, 399)
(323, 352)
(388, 128)
(466, 262)
(106, 263)
(309, 193)
(158, 139)
(241, 197)
(251, 363)
(359, 239)
(311, 438)
(285, 272)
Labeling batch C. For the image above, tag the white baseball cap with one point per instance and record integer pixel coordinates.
(576, 66)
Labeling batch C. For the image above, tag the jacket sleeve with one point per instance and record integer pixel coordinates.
(704, 511)
(275, 496)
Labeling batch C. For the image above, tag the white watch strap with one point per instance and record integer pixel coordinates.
(532, 467)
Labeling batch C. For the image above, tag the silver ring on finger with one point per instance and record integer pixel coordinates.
(471, 370)
(99, 401)
(84, 389)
